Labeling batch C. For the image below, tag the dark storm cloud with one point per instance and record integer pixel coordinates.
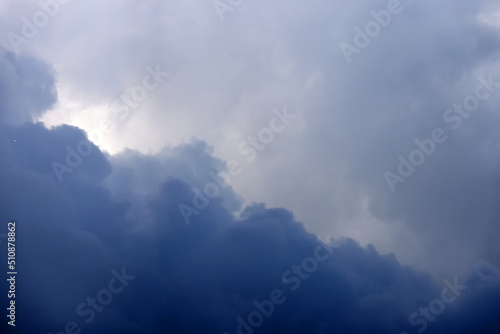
(136, 175)
(200, 277)
(80, 247)
(23, 76)
(353, 120)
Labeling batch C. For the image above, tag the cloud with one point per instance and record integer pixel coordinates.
(24, 76)
(114, 222)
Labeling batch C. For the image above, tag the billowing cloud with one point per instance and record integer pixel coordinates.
(108, 251)
(355, 114)
(28, 88)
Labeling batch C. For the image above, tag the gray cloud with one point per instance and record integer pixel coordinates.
(24, 76)
(353, 121)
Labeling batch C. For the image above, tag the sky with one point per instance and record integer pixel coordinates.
(236, 166)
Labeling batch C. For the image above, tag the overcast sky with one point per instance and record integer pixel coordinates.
(206, 147)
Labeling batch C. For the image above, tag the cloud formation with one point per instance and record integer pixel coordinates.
(353, 121)
(107, 250)
(28, 88)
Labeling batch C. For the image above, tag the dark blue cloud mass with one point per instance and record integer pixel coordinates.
(27, 88)
(108, 251)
